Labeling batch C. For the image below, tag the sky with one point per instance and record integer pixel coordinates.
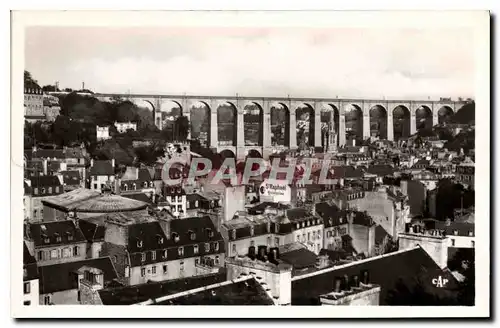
(314, 62)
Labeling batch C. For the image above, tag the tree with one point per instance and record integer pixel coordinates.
(49, 88)
(181, 126)
(28, 78)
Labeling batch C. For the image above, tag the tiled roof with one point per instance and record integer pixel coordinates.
(139, 293)
(85, 200)
(102, 168)
(65, 230)
(140, 196)
(246, 292)
(391, 271)
(61, 277)
(297, 214)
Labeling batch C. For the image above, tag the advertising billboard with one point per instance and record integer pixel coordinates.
(277, 191)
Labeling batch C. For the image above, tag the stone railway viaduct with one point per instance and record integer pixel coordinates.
(265, 104)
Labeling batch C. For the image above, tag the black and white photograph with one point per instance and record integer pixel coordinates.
(250, 159)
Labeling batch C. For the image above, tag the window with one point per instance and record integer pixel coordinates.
(471, 233)
(268, 241)
(153, 270)
(143, 257)
(453, 242)
(318, 234)
(53, 254)
(58, 238)
(35, 191)
(455, 232)
(115, 258)
(181, 267)
(66, 252)
(181, 251)
(269, 227)
(217, 261)
(252, 243)
(70, 237)
(277, 228)
(298, 225)
(143, 272)
(276, 241)
(308, 236)
(195, 203)
(46, 300)
(207, 247)
(196, 261)
(472, 243)
(233, 232)
(195, 249)
(164, 253)
(27, 287)
(234, 249)
(298, 238)
(27, 303)
(153, 255)
(165, 269)
(40, 256)
(216, 247)
(252, 231)
(95, 185)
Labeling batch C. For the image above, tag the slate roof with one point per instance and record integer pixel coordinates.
(139, 293)
(380, 170)
(298, 257)
(331, 214)
(66, 230)
(92, 231)
(347, 172)
(71, 177)
(46, 153)
(30, 266)
(260, 208)
(389, 271)
(45, 181)
(61, 277)
(102, 168)
(247, 292)
(416, 197)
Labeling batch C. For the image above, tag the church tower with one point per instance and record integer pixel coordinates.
(332, 138)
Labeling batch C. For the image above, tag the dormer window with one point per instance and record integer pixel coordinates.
(210, 233)
(252, 231)
(455, 232)
(159, 239)
(134, 186)
(341, 219)
(145, 184)
(125, 187)
(43, 190)
(471, 233)
(276, 227)
(192, 235)
(216, 247)
(58, 238)
(298, 225)
(233, 233)
(268, 227)
(70, 236)
(139, 243)
(175, 237)
(330, 222)
(195, 249)
(195, 203)
(180, 251)
(143, 257)
(207, 247)
(153, 255)
(164, 255)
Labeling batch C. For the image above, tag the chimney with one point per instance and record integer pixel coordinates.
(45, 164)
(404, 187)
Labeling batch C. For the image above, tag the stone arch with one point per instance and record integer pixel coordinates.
(227, 122)
(200, 121)
(329, 113)
(401, 122)
(227, 153)
(423, 116)
(253, 120)
(354, 120)
(378, 121)
(445, 113)
(304, 117)
(280, 124)
(253, 153)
